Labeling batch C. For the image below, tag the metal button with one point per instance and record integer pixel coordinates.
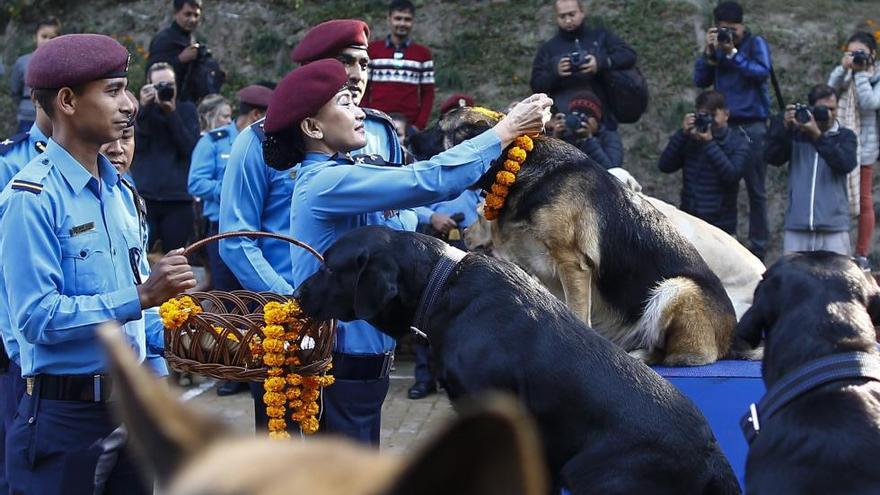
(83, 254)
(31, 420)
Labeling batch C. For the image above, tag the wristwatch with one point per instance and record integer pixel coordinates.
(732, 54)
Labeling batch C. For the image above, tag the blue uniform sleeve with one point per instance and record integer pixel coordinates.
(201, 181)
(36, 304)
(245, 188)
(347, 190)
(155, 338)
(423, 213)
(6, 172)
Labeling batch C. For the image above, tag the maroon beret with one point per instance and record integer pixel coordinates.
(74, 59)
(455, 101)
(586, 101)
(329, 38)
(255, 95)
(303, 92)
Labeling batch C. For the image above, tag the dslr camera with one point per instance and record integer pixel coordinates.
(575, 120)
(819, 112)
(202, 51)
(578, 58)
(860, 58)
(702, 122)
(164, 90)
(725, 35)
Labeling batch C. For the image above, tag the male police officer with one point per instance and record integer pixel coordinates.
(15, 153)
(256, 197)
(69, 268)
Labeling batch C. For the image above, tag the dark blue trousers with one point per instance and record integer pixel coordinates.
(54, 447)
(222, 277)
(423, 372)
(11, 389)
(756, 186)
(353, 408)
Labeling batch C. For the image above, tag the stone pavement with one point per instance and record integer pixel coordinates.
(405, 423)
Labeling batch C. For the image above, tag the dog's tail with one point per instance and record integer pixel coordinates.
(723, 481)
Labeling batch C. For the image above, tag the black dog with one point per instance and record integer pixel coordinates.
(609, 423)
(813, 306)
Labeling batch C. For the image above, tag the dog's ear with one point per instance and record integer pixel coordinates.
(467, 131)
(750, 329)
(163, 431)
(376, 284)
(491, 447)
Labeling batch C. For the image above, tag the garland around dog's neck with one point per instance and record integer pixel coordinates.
(505, 178)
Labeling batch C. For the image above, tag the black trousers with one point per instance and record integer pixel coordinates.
(171, 222)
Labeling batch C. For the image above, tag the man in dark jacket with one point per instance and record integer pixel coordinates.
(574, 59)
(712, 157)
(738, 64)
(166, 132)
(820, 154)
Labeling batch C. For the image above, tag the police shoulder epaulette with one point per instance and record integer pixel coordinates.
(377, 114)
(26, 185)
(218, 134)
(257, 127)
(7, 144)
(372, 159)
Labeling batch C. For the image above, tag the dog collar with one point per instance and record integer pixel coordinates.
(449, 259)
(805, 378)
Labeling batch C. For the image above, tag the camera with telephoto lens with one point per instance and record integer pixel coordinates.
(702, 122)
(164, 90)
(576, 119)
(859, 58)
(821, 113)
(725, 35)
(803, 112)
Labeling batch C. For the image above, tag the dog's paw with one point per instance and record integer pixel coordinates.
(642, 355)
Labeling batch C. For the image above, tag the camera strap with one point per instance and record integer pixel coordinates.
(777, 90)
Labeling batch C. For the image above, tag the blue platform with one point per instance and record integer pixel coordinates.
(723, 392)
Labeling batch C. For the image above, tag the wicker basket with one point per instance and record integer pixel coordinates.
(217, 341)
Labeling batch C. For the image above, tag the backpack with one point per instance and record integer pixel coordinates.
(626, 93)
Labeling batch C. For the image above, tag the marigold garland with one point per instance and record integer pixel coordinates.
(174, 312)
(507, 177)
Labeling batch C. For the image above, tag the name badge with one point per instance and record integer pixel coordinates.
(81, 229)
(224, 156)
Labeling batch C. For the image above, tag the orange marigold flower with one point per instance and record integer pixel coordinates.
(275, 372)
(310, 382)
(276, 424)
(294, 379)
(279, 435)
(525, 143)
(292, 361)
(273, 331)
(494, 202)
(327, 380)
(311, 408)
(517, 154)
(274, 399)
(310, 395)
(293, 393)
(274, 384)
(490, 213)
(298, 416)
(174, 312)
(273, 359)
(296, 404)
(499, 190)
(273, 345)
(309, 425)
(511, 166)
(505, 178)
(275, 411)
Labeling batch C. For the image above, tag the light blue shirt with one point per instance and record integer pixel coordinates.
(332, 197)
(12, 160)
(207, 166)
(466, 204)
(68, 268)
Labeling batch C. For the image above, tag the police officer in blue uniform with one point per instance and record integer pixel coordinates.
(69, 268)
(208, 165)
(313, 119)
(256, 197)
(15, 153)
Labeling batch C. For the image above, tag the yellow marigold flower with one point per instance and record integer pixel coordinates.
(494, 202)
(294, 379)
(276, 424)
(517, 154)
(273, 331)
(275, 313)
(273, 345)
(511, 166)
(274, 384)
(310, 395)
(295, 404)
(309, 425)
(490, 213)
(298, 416)
(311, 408)
(499, 190)
(273, 359)
(293, 393)
(524, 142)
(327, 380)
(274, 399)
(275, 411)
(505, 178)
(174, 312)
(275, 372)
(279, 435)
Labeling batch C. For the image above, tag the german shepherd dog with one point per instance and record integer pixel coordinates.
(609, 424)
(491, 448)
(612, 257)
(826, 440)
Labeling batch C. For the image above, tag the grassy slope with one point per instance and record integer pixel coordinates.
(486, 48)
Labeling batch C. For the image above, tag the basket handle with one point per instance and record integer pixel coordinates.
(247, 233)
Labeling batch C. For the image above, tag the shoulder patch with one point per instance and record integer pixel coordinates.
(377, 114)
(257, 127)
(7, 144)
(218, 134)
(23, 185)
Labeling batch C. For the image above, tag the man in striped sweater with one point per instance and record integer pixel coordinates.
(401, 71)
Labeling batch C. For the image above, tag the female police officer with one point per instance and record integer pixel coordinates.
(313, 119)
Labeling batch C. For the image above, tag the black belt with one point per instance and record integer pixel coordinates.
(4, 358)
(362, 366)
(83, 388)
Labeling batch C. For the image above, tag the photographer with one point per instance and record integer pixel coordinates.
(573, 60)
(582, 127)
(820, 153)
(738, 64)
(166, 131)
(712, 157)
(197, 72)
(857, 80)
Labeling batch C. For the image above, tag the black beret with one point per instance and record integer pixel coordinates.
(74, 59)
(303, 92)
(329, 38)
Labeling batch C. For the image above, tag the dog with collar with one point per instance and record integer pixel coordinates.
(608, 422)
(818, 428)
(616, 261)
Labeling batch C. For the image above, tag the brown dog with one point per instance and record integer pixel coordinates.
(616, 261)
(491, 448)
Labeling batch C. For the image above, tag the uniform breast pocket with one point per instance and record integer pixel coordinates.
(84, 260)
